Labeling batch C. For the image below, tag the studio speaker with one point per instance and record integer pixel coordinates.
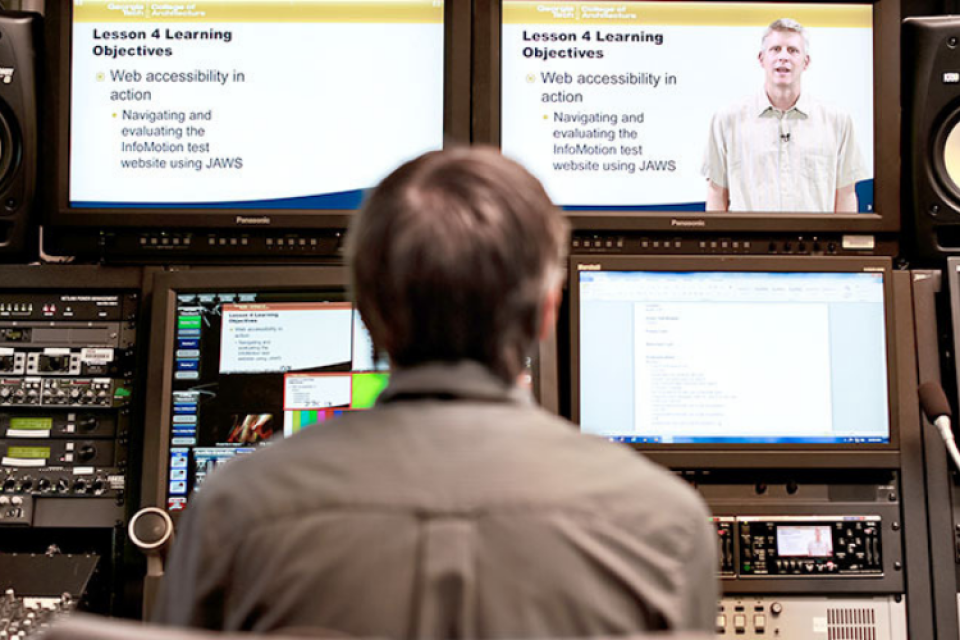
(19, 32)
(931, 143)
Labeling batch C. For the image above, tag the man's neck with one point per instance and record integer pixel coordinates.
(783, 98)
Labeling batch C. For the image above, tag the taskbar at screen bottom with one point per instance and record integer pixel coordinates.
(640, 439)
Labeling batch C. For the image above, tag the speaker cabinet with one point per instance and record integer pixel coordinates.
(19, 34)
(931, 149)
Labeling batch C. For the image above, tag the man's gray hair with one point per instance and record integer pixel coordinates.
(452, 257)
(787, 24)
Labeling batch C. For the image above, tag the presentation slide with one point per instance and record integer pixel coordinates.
(220, 103)
(264, 338)
(804, 541)
(611, 104)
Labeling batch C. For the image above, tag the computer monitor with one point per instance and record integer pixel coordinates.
(232, 115)
(628, 112)
(244, 355)
(745, 354)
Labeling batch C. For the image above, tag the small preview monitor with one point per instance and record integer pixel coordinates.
(248, 363)
(760, 115)
(723, 354)
(804, 541)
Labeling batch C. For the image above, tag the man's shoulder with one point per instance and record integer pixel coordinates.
(825, 110)
(623, 475)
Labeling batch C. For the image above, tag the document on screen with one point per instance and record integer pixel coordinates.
(718, 369)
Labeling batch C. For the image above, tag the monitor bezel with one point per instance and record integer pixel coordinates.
(674, 453)
(886, 160)
(59, 214)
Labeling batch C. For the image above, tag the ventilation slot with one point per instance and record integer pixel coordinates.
(851, 624)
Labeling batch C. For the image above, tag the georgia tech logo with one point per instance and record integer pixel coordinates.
(588, 267)
(687, 223)
(259, 220)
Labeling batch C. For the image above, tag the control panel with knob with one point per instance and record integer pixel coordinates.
(70, 433)
(60, 423)
(16, 510)
(812, 546)
(31, 453)
(799, 546)
(784, 617)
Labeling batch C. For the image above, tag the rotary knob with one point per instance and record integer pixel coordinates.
(86, 453)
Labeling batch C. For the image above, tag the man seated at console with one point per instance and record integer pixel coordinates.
(781, 149)
(455, 507)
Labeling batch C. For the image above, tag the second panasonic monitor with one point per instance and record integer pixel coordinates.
(666, 107)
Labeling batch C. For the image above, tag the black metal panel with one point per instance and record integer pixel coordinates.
(46, 576)
(916, 554)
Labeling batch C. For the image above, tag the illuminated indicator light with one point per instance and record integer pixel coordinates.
(32, 424)
(951, 77)
(29, 452)
(188, 322)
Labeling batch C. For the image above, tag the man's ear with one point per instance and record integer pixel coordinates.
(550, 310)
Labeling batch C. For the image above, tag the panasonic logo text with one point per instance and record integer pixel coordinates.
(260, 220)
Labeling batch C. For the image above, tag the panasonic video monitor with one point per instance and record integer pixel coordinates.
(245, 355)
(697, 115)
(725, 354)
(225, 113)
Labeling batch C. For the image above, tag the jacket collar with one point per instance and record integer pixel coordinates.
(464, 380)
(762, 104)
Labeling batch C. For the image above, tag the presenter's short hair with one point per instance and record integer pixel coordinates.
(451, 258)
(787, 24)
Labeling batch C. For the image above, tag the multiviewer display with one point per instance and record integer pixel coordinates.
(733, 357)
(248, 367)
(256, 105)
(647, 105)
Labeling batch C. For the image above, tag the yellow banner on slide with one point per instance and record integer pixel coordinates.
(338, 11)
(705, 14)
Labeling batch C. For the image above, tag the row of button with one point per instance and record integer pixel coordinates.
(80, 486)
(740, 623)
(154, 241)
(798, 246)
(233, 242)
(224, 241)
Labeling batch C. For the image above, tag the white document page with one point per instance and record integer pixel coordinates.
(725, 369)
